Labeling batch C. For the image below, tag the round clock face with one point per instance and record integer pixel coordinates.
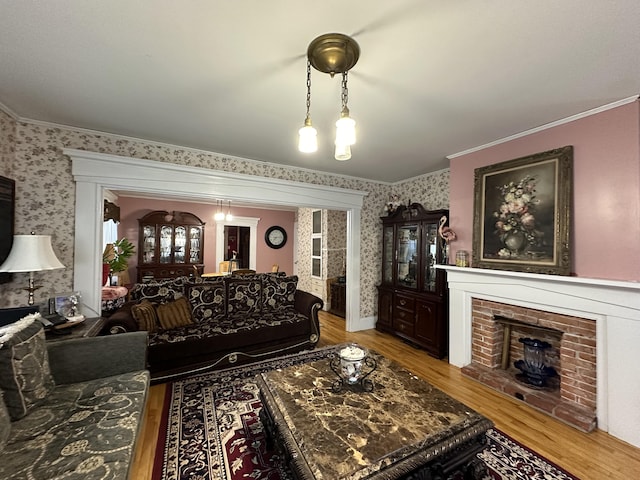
(275, 237)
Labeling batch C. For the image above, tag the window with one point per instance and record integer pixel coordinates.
(109, 232)
(316, 244)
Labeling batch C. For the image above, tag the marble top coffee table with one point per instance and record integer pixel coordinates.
(405, 428)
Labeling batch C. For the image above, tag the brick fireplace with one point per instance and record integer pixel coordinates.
(572, 354)
(610, 308)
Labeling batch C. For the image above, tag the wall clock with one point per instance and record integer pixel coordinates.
(275, 237)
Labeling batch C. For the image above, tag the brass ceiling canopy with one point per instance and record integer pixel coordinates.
(333, 53)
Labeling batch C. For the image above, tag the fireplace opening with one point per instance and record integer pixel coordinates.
(496, 351)
(534, 368)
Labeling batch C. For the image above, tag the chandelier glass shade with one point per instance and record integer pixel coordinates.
(308, 137)
(331, 53)
(219, 215)
(342, 152)
(345, 129)
(229, 217)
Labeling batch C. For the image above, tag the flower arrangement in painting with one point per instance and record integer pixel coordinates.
(515, 218)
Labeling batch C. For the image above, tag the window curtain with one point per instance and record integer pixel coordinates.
(109, 232)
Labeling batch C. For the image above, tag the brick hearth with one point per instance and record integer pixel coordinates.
(572, 354)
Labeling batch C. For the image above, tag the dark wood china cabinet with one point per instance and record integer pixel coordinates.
(413, 294)
(170, 245)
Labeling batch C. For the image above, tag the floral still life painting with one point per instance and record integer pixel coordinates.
(515, 218)
(522, 211)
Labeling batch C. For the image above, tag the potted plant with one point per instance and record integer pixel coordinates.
(116, 256)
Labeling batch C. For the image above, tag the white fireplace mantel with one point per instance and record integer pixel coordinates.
(614, 305)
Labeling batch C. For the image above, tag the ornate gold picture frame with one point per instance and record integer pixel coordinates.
(522, 212)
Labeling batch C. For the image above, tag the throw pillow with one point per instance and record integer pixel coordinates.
(279, 293)
(245, 295)
(208, 300)
(145, 316)
(174, 314)
(25, 376)
(5, 423)
(158, 292)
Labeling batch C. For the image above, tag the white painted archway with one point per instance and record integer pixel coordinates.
(93, 172)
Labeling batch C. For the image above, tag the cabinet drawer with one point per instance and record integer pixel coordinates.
(407, 303)
(404, 315)
(403, 327)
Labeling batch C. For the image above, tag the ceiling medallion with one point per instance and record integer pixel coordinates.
(333, 53)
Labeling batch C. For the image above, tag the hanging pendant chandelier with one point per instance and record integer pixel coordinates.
(219, 215)
(331, 53)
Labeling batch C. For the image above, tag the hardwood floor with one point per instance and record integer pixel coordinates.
(596, 455)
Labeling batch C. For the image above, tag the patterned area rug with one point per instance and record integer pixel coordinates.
(211, 431)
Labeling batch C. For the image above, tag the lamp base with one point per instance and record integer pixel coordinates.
(31, 288)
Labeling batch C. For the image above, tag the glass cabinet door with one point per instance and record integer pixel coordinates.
(194, 244)
(407, 251)
(180, 245)
(430, 254)
(149, 244)
(166, 243)
(387, 255)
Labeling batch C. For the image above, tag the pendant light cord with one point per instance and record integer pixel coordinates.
(308, 90)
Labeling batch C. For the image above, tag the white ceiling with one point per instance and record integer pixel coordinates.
(434, 77)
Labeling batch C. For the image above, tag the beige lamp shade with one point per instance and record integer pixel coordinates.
(31, 253)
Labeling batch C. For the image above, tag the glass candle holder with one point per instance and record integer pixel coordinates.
(351, 358)
(462, 258)
(352, 364)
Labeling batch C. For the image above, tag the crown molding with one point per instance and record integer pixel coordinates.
(546, 126)
(9, 112)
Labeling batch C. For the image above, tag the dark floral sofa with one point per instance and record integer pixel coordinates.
(72, 408)
(196, 324)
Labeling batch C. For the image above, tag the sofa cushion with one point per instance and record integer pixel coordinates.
(83, 431)
(5, 423)
(159, 292)
(244, 295)
(25, 377)
(208, 300)
(184, 345)
(174, 314)
(278, 293)
(144, 313)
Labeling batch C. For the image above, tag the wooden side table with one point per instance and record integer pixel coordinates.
(338, 298)
(89, 328)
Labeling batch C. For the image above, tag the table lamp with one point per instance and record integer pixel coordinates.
(31, 253)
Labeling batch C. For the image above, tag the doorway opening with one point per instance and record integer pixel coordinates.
(237, 241)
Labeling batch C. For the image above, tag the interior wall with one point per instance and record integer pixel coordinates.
(134, 208)
(46, 197)
(605, 218)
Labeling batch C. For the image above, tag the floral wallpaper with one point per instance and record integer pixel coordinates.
(335, 226)
(45, 195)
(304, 248)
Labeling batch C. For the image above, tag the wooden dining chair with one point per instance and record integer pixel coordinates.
(243, 271)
